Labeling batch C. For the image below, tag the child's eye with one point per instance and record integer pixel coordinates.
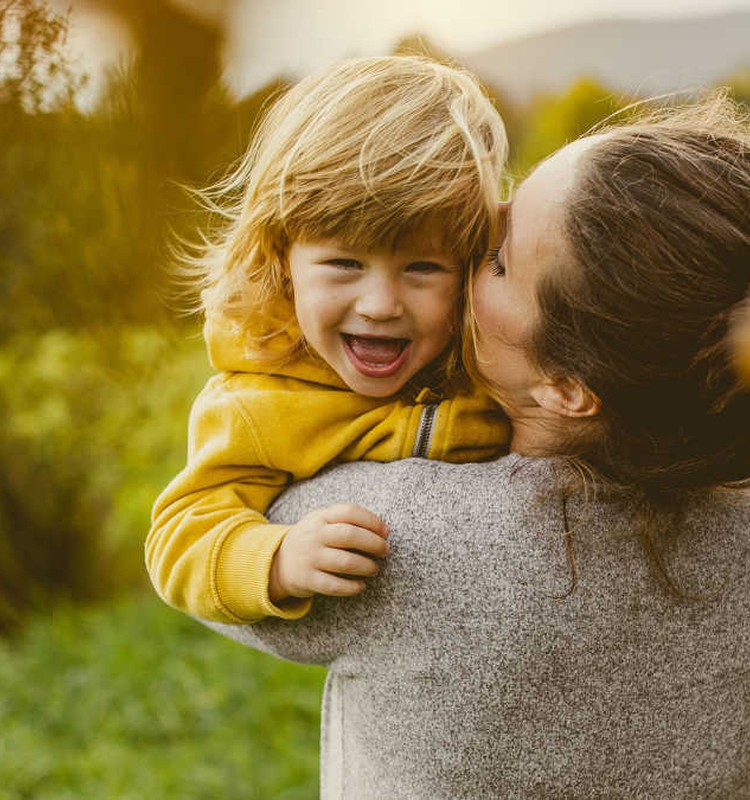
(344, 263)
(495, 261)
(424, 267)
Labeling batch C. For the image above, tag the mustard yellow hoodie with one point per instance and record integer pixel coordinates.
(252, 432)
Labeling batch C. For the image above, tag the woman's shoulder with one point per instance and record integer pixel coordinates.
(420, 479)
(436, 501)
(523, 500)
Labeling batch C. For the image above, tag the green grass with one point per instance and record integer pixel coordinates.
(133, 701)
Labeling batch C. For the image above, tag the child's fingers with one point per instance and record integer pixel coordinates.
(355, 515)
(334, 586)
(351, 537)
(345, 562)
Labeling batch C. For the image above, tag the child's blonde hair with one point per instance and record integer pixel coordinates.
(369, 151)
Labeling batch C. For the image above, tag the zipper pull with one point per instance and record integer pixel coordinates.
(428, 396)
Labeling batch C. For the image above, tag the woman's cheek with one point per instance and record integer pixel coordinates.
(482, 303)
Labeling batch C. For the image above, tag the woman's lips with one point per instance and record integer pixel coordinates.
(375, 356)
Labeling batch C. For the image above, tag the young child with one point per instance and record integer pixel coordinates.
(333, 303)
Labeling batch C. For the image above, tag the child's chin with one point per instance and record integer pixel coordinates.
(376, 387)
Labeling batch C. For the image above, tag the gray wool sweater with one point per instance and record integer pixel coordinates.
(469, 669)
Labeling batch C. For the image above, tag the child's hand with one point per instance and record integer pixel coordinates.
(344, 539)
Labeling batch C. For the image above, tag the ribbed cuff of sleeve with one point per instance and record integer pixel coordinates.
(241, 571)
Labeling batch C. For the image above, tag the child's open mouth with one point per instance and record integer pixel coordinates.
(375, 356)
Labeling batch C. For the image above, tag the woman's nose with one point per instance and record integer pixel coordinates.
(379, 300)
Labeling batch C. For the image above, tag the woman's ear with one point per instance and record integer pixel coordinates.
(566, 397)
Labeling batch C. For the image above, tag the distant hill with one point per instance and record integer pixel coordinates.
(645, 56)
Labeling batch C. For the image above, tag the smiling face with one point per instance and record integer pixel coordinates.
(376, 317)
(504, 289)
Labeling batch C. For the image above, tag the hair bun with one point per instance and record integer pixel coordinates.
(740, 339)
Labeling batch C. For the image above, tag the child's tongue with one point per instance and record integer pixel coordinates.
(376, 351)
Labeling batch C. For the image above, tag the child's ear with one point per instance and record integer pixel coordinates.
(566, 397)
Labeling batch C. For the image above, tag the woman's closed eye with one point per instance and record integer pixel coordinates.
(495, 261)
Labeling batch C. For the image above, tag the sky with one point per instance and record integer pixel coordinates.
(297, 36)
(268, 38)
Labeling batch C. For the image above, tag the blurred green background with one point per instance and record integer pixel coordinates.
(105, 692)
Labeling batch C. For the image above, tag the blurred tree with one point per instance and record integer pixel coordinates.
(35, 76)
(178, 104)
(739, 85)
(552, 121)
(171, 112)
(37, 118)
(85, 200)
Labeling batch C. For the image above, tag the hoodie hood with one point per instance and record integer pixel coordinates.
(230, 349)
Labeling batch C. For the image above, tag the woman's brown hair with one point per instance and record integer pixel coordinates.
(658, 223)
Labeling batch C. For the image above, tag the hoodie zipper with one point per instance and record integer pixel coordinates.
(424, 433)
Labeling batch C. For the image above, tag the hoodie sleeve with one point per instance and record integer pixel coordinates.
(209, 550)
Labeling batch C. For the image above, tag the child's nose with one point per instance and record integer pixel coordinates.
(380, 301)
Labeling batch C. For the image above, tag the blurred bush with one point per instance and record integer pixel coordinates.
(93, 425)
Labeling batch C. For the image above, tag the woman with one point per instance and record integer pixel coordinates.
(528, 637)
